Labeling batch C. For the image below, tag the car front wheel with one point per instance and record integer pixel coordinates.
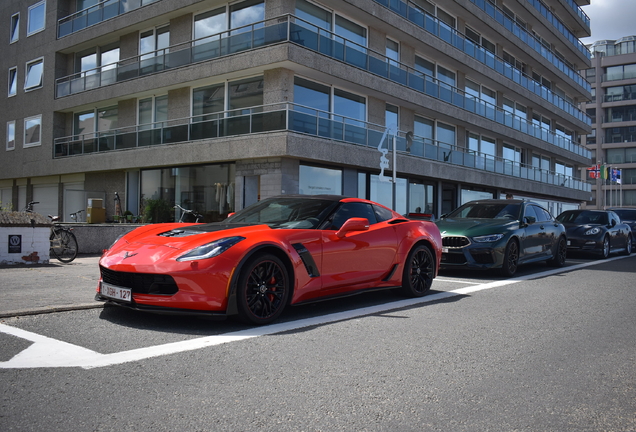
(605, 252)
(419, 271)
(263, 289)
(628, 246)
(511, 259)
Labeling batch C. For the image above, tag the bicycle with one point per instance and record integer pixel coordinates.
(77, 216)
(63, 241)
(185, 212)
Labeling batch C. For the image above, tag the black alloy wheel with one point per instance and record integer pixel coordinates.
(263, 289)
(511, 259)
(560, 254)
(419, 271)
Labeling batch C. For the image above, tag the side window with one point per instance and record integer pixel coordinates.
(382, 214)
(530, 212)
(351, 210)
(542, 215)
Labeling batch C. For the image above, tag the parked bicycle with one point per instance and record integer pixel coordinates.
(77, 216)
(63, 241)
(185, 212)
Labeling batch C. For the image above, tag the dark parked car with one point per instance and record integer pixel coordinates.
(596, 231)
(501, 234)
(628, 216)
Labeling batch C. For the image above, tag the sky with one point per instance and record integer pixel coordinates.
(611, 19)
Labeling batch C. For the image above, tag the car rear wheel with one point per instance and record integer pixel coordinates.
(419, 271)
(263, 289)
(628, 246)
(605, 252)
(560, 254)
(511, 259)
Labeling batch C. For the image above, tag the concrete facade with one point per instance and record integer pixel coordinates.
(268, 160)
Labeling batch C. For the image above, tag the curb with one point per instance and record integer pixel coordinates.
(50, 309)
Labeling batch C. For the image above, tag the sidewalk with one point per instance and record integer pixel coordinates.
(44, 288)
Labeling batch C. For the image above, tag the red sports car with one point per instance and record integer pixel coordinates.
(289, 249)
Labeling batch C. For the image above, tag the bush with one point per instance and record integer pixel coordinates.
(157, 211)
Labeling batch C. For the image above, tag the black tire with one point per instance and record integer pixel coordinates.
(66, 249)
(419, 271)
(605, 251)
(628, 246)
(560, 254)
(511, 259)
(263, 289)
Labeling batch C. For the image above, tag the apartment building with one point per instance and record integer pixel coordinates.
(613, 113)
(213, 105)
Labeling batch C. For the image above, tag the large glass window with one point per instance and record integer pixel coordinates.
(424, 128)
(351, 106)
(311, 94)
(208, 190)
(445, 133)
(32, 131)
(424, 66)
(382, 192)
(208, 100)
(84, 123)
(210, 23)
(245, 93)
(351, 31)
(245, 13)
(34, 71)
(153, 112)
(318, 181)
(391, 117)
(313, 14)
(13, 81)
(154, 40)
(37, 18)
(15, 28)
(421, 198)
(11, 135)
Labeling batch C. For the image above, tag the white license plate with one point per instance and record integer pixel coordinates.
(568, 242)
(444, 250)
(115, 292)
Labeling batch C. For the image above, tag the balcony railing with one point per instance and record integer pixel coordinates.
(619, 76)
(450, 35)
(620, 97)
(95, 14)
(306, 34)
(554, 20)
(299, 119)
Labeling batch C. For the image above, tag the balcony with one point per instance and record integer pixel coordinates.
(450, 35)
(545, 11)
(291, 29)
(289, 117)
(96, 14)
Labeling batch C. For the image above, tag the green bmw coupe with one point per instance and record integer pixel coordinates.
(501, 234)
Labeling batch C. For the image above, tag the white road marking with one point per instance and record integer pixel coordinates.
(48, 352)
(441, 279)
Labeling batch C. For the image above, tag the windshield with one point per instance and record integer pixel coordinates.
(626, 215)
(583, 217)
(298, 213)
(487, 211)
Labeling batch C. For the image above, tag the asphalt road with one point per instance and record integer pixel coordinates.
(480, 353)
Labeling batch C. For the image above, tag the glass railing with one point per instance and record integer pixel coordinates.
(619, 97)
(551, 18)
(577, 9)
(95, 14)
(299, 119)
(306, 34)
(453, 37)
(618, 76)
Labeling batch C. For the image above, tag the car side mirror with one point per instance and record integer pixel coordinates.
(613, 223)
(530, 220)
(353, 224)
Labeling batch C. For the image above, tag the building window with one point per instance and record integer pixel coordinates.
(34, 71)
(153, 112)
(37, 18)
(393, 51)
(154, 42)
(208, 100)
(424, 66)
(15, 28)
(11, 135)
(246, 13)
(32, 131)
(13, 81)
(318, 181)
(351, 106)
(209, 23)
(391, 117)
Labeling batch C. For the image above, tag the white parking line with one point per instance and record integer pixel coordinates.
(48, 352)
(457, 281)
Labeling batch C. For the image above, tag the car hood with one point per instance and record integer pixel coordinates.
(575, 229)
(474, 227)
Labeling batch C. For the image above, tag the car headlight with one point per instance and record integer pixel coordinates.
(593, 231)
(211, 249)
(488, 238)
